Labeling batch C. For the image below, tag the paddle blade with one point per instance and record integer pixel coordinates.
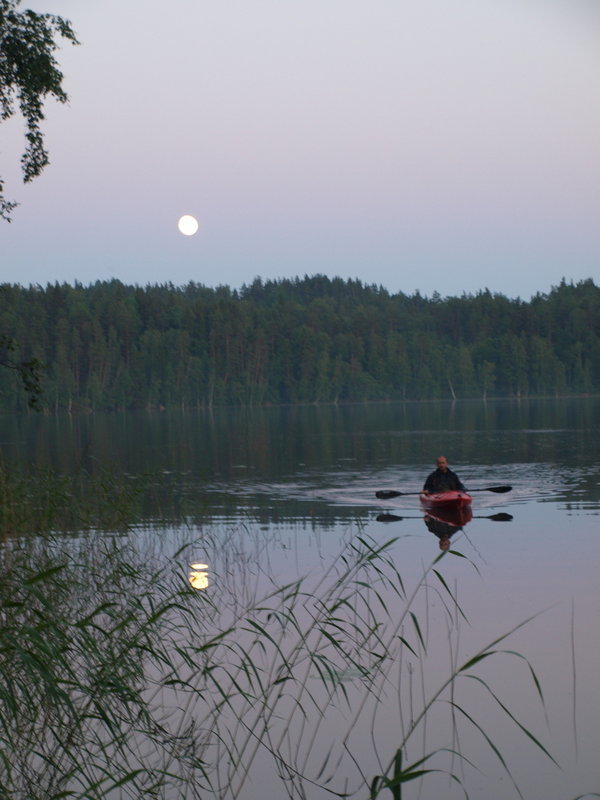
(388, 518)
(498, 489)
(501, 517)
(387, 494)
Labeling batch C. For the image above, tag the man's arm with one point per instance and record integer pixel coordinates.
(459, 484)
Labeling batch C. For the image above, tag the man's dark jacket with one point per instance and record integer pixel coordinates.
(440, 481)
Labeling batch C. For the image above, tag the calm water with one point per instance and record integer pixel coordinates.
(300, 483)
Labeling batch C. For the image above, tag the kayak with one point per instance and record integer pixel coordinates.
(445, 500)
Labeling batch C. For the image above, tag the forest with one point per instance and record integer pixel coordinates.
(109, 346)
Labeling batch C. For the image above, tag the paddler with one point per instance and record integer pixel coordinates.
(443, 479)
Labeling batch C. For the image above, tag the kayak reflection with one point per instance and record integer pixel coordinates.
(446, 522)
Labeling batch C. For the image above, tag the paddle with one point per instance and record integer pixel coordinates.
(500, 517)
(388, 494)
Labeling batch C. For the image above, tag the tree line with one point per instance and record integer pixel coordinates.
(109, 346)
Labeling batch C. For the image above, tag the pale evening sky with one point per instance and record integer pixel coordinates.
(432, 145)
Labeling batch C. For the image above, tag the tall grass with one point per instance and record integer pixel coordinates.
(119, 679)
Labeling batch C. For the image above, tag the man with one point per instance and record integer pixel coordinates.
(443, 479)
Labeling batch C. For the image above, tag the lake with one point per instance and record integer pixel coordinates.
(270, 495)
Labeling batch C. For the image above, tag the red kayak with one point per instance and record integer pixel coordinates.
(445, 500)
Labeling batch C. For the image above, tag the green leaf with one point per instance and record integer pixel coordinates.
(418, 629)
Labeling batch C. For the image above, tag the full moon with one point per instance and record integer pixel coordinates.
(187, 225)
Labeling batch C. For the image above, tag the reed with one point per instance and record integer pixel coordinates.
(119, 679)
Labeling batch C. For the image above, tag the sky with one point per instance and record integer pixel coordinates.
(445, 146)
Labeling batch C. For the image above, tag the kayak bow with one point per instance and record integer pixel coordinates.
(445, 500)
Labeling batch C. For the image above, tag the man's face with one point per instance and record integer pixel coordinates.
(442, 463)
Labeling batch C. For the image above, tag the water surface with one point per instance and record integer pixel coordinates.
(299, 484)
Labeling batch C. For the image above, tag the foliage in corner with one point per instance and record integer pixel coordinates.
(28, 74)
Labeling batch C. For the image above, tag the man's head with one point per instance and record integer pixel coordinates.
(442, 463)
